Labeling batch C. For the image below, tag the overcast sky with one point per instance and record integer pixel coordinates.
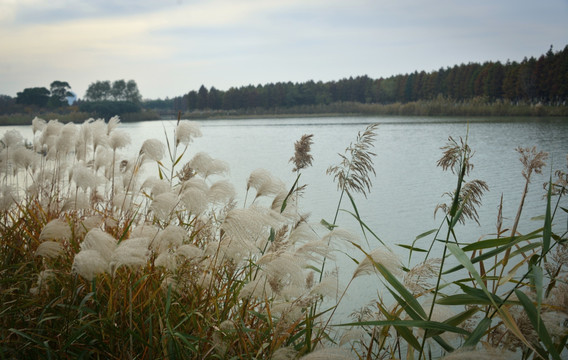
(170, 47)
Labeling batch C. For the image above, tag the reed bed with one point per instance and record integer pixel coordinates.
(98, 259)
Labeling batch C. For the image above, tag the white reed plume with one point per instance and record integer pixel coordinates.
(131, 253)
(340, 236)
(119, 139)
(156, 185)
(164, 205)
(55, 230)
(8, 197)
(67, 138)
(38, 124)
(315, 251)
(88, 224)
(304, 233)
(80, 201)
(171, 237)
(284, 353)
(185, 132)
(327, 287)
(221, 192)
(419, 278)
(152, 149)
(356, 334)
(195, 201)
(12, 139)
(113, 122)
(378, 256)
(195, 183)
(89, 263)
(145, 231)
(99, 131)
(189, 251)
(102, 242)
(103, 159)
(84, 177)
(247, 226)
(205, 165)
(25, 158)
(49, 249)
(258, 288)
(264, 183)
(284, 267)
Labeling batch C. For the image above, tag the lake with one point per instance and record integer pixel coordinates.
(408, 185)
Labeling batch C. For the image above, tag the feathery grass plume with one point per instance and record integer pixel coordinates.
(302, 157)
(89, 263)
(56, 229)
(258, 288)
(8, 197)
(185, 132)
(356, 334)
(25, 158)
(340, 236)
(119, 139)
(132, 253)
(304, 232)
(264, 183)
(327, 287)
(315, 251)
(284, 353)
(38, 124)
(532, 161)
(353, 173)
(283, 269)
(454, 156)
(378, 256)
(186, 173)
(418, 279)
(84, 177)
(145, 231)
(49, 249)
(67, 138)
(469, 198)
(204, 165)
(171, 237)
(102, 242)
(250, 225)
(164, 205)
(12, 139)
(195, 201)
(152, 149)
(113, 122)
(221, 192)
(87, 224)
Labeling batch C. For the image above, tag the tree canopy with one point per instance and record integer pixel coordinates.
(119, 90)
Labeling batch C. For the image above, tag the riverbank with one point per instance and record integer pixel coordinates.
(438, 107)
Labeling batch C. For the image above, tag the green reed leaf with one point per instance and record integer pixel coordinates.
(477, 333)
(537, 323)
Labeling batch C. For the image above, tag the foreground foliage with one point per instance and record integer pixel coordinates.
(105, 255)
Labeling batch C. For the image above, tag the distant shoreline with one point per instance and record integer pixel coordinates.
(432, 108)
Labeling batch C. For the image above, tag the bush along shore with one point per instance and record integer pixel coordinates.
(98, 259)
(438, 107)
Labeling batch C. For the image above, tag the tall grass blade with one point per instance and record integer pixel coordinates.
(537, 323)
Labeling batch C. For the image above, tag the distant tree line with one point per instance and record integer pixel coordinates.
(543, 80)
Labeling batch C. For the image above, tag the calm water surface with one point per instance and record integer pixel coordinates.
(408, 184)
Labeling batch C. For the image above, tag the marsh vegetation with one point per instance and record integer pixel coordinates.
(112, 253)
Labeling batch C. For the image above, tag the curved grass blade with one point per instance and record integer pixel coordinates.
(537, 323)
